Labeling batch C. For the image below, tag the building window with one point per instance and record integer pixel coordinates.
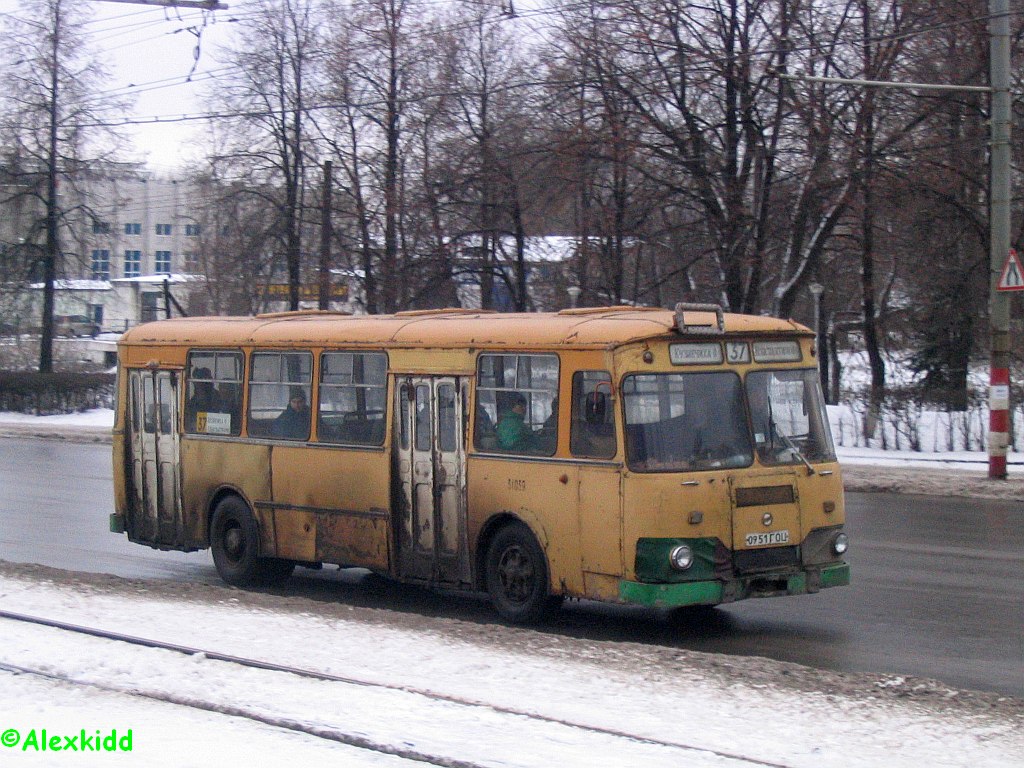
(101, 265)
(101, 227)
(132, 263)
(163, 262)
(191, 230)
(133, 229)
(163, 229)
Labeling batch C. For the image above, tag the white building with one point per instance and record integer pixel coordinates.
(127, 234)
(139, 225)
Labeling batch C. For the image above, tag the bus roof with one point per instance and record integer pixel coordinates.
(581, 328)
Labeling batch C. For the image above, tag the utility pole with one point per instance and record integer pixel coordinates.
(325, 240)
(1000, 116)
(999, 237)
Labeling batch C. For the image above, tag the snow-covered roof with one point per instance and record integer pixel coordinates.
(76, 285)
(159, 279)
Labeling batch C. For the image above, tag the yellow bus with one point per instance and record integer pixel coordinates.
(644, 456)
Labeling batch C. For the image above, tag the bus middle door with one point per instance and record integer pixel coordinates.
(155, 515)
(431, 461)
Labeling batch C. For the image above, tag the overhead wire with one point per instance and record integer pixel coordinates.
(225, 71)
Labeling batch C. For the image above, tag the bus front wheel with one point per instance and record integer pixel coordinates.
(516, 576)
(234, 539)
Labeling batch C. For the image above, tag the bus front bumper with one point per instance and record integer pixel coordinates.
(715, 591)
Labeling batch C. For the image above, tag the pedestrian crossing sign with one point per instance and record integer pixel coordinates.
(1012, 278)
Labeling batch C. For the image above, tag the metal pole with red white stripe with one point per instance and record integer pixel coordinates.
(1004, 266)
(998, 422)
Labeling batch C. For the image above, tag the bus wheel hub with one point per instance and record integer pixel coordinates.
(234, 544)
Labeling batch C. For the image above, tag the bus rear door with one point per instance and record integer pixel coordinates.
(430, 455)
(154, 515)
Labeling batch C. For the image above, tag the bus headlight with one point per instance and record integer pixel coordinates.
(840, 544)
(680, 557)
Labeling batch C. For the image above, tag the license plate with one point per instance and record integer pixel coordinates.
(767, 539)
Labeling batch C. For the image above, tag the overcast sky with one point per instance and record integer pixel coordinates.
(149, 52)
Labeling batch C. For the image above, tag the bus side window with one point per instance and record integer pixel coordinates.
(353, 398)
(592, 434)
(516, 395)
(213, 393)
(279, 395)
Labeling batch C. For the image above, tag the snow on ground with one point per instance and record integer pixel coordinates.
(100, 418)
(764, 711)
(685, 698)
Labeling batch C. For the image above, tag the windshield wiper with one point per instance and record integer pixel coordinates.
(796, 452)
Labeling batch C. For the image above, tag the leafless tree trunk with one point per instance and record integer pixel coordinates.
(53, 91)
(278, 64)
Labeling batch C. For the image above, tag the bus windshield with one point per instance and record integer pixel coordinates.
(788, 416)
(685, 421)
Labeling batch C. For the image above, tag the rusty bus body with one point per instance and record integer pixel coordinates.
(642, 456)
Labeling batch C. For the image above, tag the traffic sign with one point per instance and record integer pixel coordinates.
(1012, 278)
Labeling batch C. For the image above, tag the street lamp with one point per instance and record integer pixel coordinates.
(816, 290)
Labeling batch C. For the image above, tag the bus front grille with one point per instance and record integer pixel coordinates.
(753, 560)
(765, 495)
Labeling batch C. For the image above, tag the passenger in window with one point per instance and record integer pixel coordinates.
(513, 433)
(293, 423)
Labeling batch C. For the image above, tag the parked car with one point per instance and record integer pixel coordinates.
(74, 325)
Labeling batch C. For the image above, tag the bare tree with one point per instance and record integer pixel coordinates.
(53, 102)
(487, 152)
(268, 102)
(373, 52)
(235, 247)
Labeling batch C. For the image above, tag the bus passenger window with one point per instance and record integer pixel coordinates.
(213, 395)
(593, 429)
(516, 396)
(353, 398)
(279, 390)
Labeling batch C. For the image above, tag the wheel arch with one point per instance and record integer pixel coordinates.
(217, 497)
(483, 542)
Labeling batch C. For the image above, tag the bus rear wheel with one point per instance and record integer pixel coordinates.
(234, 539)
(516, 576)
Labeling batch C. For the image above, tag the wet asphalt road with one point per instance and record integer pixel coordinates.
(937, 592)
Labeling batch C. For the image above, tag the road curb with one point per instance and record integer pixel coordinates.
(67, 434)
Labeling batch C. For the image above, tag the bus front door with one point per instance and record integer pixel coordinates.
(155, 510)
(431, 463)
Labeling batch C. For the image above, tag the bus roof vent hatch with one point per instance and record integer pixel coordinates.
(700, 325)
